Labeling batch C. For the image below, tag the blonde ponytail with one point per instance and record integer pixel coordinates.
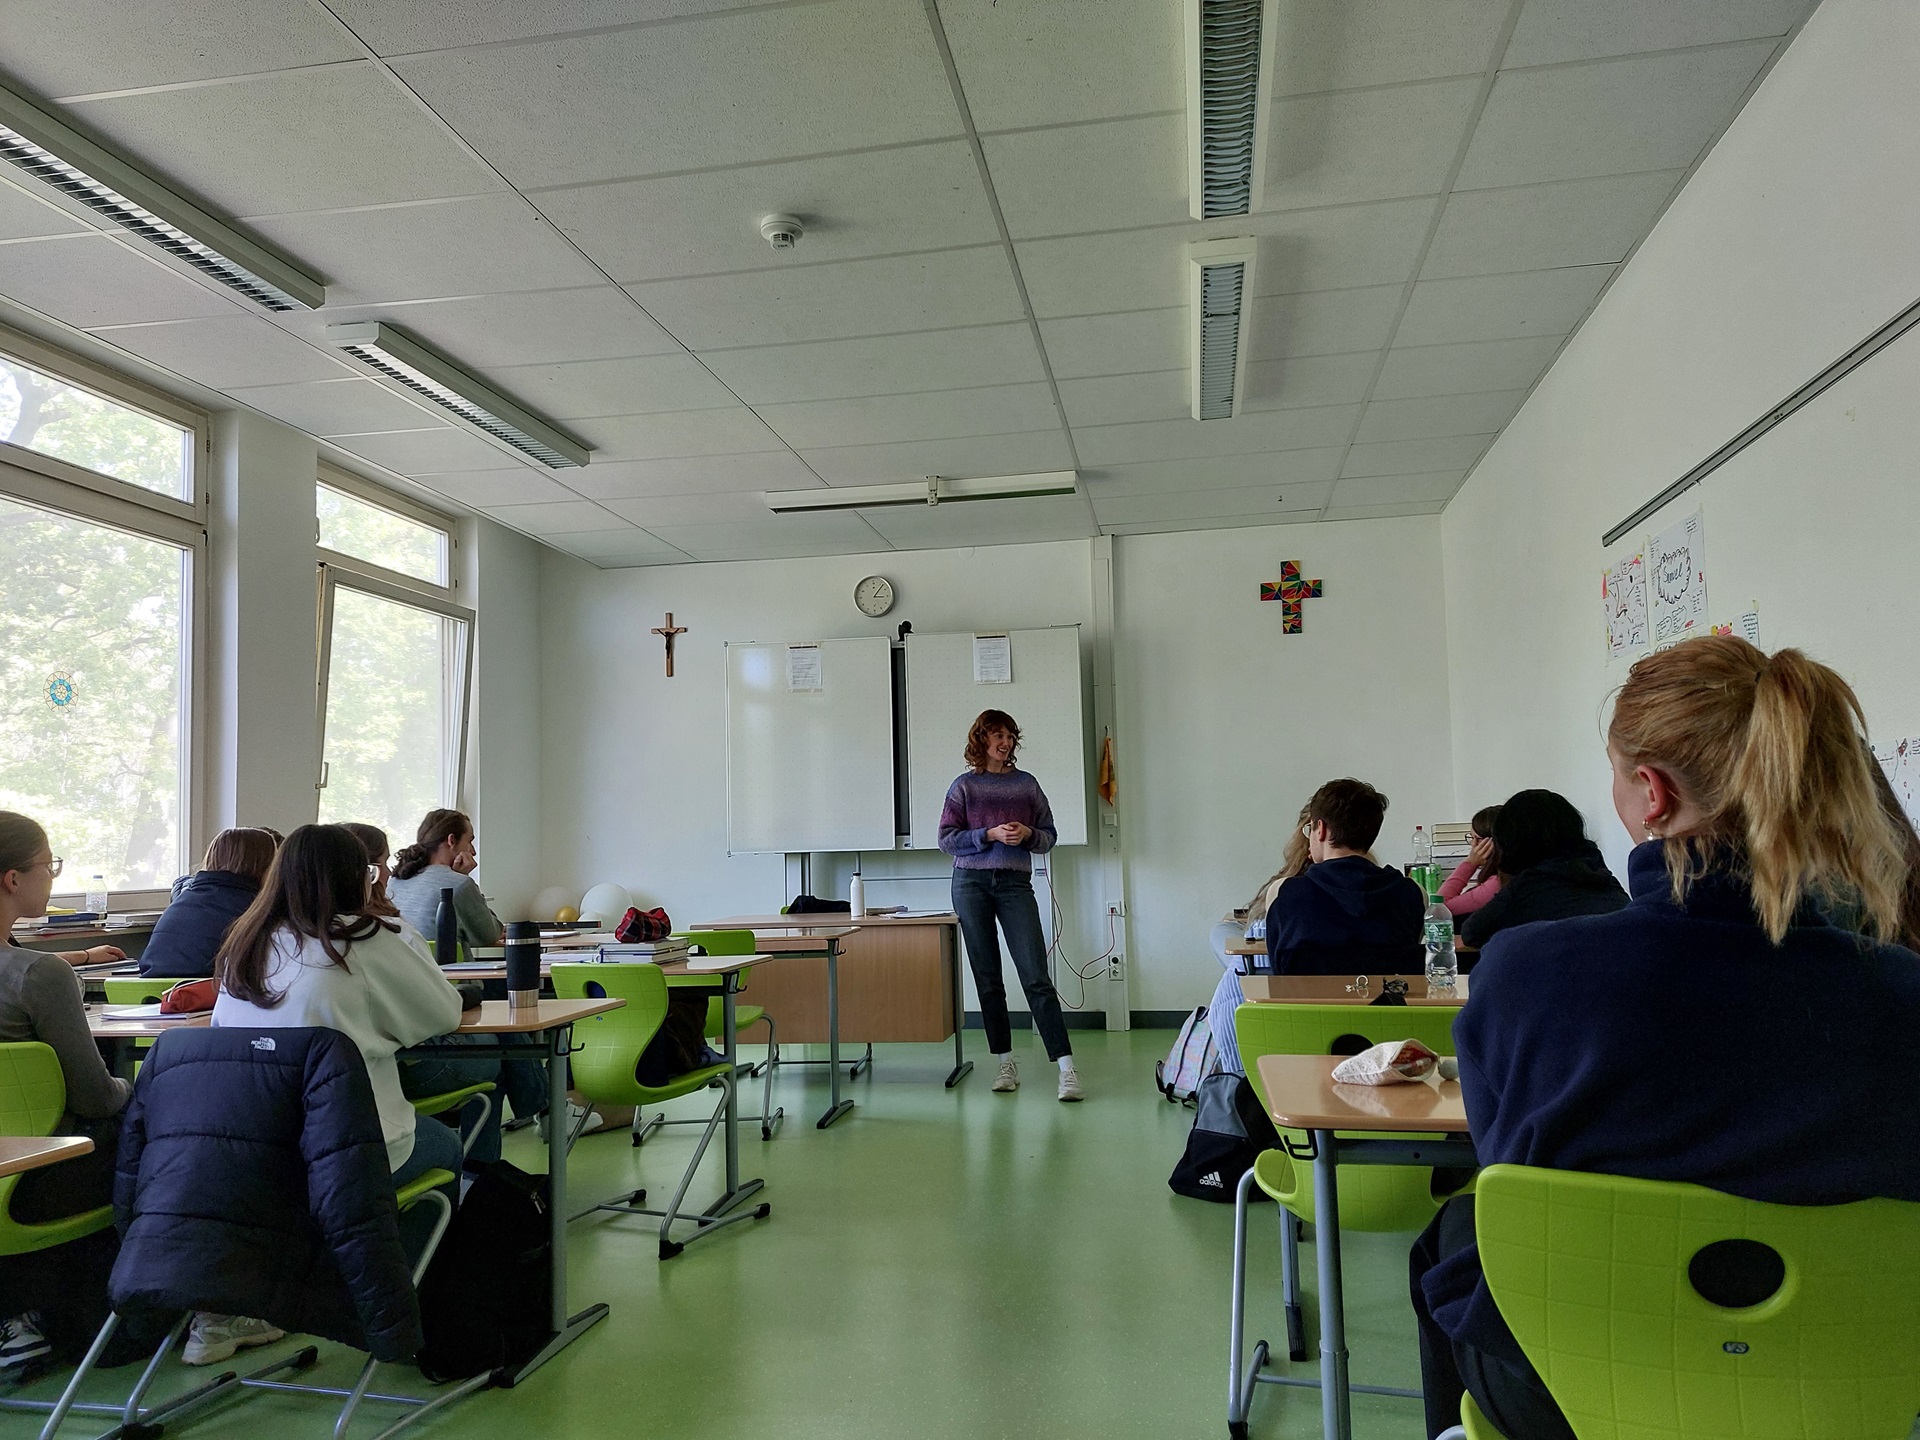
(1772, 751)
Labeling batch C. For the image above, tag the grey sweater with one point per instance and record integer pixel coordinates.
(418, 901)
(40, 999)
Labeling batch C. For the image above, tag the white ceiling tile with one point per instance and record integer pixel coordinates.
(1383, 512)
(1500, 307)
(607, 548)
(1413, 370)
(1271, 470)
(1645, 112)
(1040, 62)
(1039, 452)
(881, 365)
(732, 431)
(74, 47)
(1415, 457)
(638, 385)
(1118, 175)
(1322, 322)
(1223, 522)
(90, 280)
(1245, 434)
(1309, 380)
(1422, 419)
(1552, 31)
(1122, 399)
(474, 246)
(1125, 344)
(295, 140)
(1365, 144)
(483, 331)
(828, 532)
(227, 350)
(350, 406)
(940, 415)
(1397, 489)
(557, 517)
(517, 486)
(722, 508)
(1209, 504)
(623, 479)
(26, 216)
(1339, 248)
(879, 202)
(400, 27)
(985, 522)
(826, 302)
(1539, 227)
(1341, 44)
(726, 89)
(430, 452)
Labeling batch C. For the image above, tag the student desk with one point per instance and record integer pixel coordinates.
(1332, 990)
(1302, 1096)
(19, 1153)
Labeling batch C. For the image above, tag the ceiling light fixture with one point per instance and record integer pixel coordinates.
(1219, 283)
(933, 490)
(403, 361)
(65, 160)
(1230, 45)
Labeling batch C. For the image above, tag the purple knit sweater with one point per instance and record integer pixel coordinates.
(980, 800)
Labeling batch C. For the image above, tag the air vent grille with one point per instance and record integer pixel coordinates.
(1229, 104)
(1220, 296)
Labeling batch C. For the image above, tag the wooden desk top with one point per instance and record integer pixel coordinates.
(1248, 947)
(1302, 1096)
(24, 1152)
(1332, 990)
(816, 924)
(493, 1018)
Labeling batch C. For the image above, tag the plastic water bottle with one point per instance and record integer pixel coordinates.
(1422, 846)
(97, 896)
(1443, 967)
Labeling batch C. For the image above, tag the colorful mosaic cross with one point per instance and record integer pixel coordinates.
(1290, 591)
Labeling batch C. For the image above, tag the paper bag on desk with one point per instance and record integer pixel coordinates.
(1392, 1062)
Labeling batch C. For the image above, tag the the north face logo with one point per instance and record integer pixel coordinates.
(262, 1043)
(1212, 1177)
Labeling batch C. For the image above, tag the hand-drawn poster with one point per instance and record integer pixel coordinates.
(1901, 761)
(1677, 566)
(1746, 625)
(1623, 596)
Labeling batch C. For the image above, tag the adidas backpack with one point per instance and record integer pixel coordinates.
(1229, 1131)
(1194, 1057)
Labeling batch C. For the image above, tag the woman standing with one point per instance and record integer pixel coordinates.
(443, 857)
(995, 820)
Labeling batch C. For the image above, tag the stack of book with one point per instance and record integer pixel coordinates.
(657, 952)
(1451, 843)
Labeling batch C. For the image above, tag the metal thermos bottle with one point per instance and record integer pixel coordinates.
(523, 965)
(446, 930)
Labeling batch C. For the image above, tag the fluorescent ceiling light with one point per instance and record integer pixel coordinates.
(403, 361)
(1219, 284)
(1230, 45)
(933, 490)
(64, 160)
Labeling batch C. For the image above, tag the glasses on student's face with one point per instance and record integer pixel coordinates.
(373, 874)
(54, 866)
(1307, 830)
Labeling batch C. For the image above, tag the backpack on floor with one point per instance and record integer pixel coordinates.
(1229, 1131)
(486, 1302)
(1194, 1057)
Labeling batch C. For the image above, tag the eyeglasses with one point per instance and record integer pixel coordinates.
(54, 866)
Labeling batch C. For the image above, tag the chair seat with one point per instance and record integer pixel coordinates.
(17, 1238)
(426, 1180)
(451, 1100)
(680, 1085)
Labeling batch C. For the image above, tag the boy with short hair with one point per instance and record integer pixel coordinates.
(1346, 915)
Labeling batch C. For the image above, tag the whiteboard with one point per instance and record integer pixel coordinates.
(1044, 698)
(810, 769)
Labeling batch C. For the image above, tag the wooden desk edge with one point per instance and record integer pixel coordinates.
(1281, 1071)
(20, 1153)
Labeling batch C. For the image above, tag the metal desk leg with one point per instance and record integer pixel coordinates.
(961, 1065)
(838, 1107)
(736, 1191)
(1336, 1419)
(566, 1328)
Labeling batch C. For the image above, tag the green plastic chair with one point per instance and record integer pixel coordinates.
(736, 942)
(33, 1097)
(1387, 1198)
(428, 1106)
(1595, 1275)
(607, 1047)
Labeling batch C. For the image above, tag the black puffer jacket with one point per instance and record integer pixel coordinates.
(1558, 889)
(188, 933)
(253, 1180)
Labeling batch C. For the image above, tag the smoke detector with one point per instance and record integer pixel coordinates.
(782, 232)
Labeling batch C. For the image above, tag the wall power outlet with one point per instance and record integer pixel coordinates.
(1116, 967)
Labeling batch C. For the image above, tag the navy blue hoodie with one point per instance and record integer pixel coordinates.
(1675, 1043)
(1346, 917)
(188, 933)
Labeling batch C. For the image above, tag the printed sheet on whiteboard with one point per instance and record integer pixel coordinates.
(992, 660)
(1677, 572)
(803, 667)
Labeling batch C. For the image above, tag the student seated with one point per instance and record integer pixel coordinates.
(1227, 995)
(1476, 879)
(53, 1298)
(1719, 1030)
(188, 933)
(1346, 915)
(443, 857)
(1549, 869)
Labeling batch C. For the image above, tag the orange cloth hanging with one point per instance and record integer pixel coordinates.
(1107, 787)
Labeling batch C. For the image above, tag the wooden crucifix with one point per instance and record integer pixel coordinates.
(666, 632)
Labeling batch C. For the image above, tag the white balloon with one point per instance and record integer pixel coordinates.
(606, 903)
(546, 905)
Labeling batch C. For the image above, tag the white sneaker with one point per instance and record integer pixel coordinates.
(213, 1338)
(1070, 1085)
(22, 1347)
(1008, 1080)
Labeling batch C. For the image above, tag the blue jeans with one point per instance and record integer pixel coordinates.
(435, 1147)
(979, 898)
(522, 1080)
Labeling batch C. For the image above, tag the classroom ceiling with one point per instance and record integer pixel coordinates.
(563, 196)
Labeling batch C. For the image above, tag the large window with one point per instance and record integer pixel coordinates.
(51, 416)
(381, 536)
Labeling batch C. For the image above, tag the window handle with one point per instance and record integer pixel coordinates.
(326, 768)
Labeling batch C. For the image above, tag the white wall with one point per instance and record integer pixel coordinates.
(1229, 725)
(1792, 242)
(501, 579)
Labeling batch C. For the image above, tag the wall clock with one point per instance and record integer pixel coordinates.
(874, 596)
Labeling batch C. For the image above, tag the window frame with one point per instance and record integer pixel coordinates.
(89, 497)
(334, 478)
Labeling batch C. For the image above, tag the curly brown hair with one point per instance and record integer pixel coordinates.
(984, 725)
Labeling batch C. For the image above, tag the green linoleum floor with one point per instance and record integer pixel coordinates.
(939, 1264)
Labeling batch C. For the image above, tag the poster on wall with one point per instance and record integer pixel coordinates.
(1623, 598)
(1677, 562)
(1746, 625)
(1901, 761)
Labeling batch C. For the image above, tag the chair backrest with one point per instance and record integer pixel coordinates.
(609, 1044)
(33, 1091)
(1601, 1279)
(1262, 1029)
(137, 989)
(720, 942)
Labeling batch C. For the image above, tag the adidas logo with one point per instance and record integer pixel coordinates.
(1212, 1177)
